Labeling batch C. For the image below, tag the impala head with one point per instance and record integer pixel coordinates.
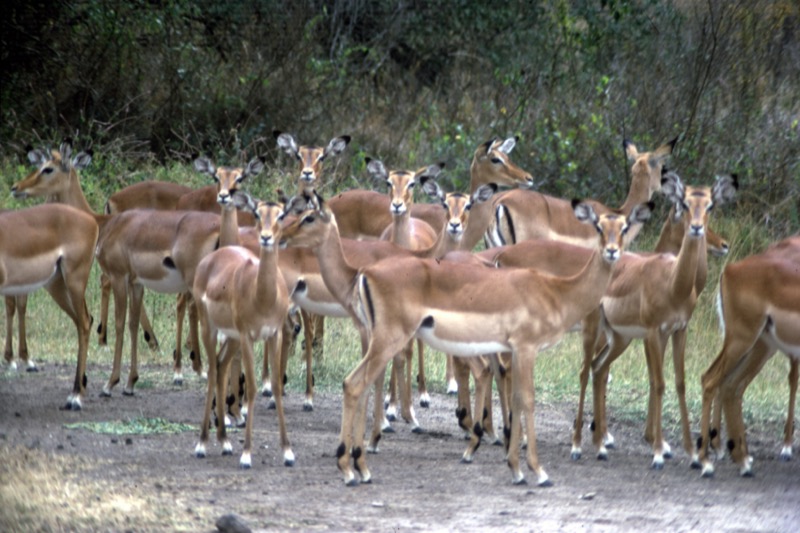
(457, 205)
(228, 179)
(306, 221)
(401, 183)
(491, 164)
(269, 216)
(53, 174)
(695, 203)
(310, 157)
(611, 227)
(646, 166)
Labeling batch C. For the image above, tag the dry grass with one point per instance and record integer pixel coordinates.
(46, 492)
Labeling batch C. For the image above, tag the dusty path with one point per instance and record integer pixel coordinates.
(53, 477)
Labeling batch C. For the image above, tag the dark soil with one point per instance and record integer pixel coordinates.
(418, 481)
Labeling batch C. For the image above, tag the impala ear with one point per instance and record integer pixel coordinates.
(641, 213)
(205, 166)
(337, 145)
(431, 188)
(287, 143)
(82, 160)
(725, 188)
(244, 202)
(508, 145)
(631, 152)
(672, 187)
(66, 151)
(254, 167)
(584, 212)
(37, 157)
(376, 170)
(483, 193)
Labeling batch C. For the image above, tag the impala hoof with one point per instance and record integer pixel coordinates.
(351, 483)
(602, 456)
(520, 481)
(307, 407)
(707, 471)
(33, 368)
(418, 430)
(576, 456)
(657, 465)
(546, 483)
(786, 453)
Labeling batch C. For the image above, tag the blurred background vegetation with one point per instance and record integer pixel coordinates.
(148, 83)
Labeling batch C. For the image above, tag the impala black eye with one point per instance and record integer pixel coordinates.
(496, 160)
(710, 207)
(625, 229)
(598, 228)
(411, 185)
(48, 170)
(308, 220)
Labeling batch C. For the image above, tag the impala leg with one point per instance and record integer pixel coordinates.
(69, 294)
(8, 350)
(236, 391)
(177, 354)
(461, 371)
(355, 386)
(134, 313)
(248, 361)
(449, 376)
(194, 337)
(209, 342)
(590, 334)
(266, 382)
(526, 401)
(406, 402)
(788, 429)
(105, 296)
(600, 369)
(390, 402)
(279, 347)
(230, 352)
(488, 418)
(500, 364)
(22, 312)
(147, 330)
(120, 289)
(483, 381)
(654, 351)
(318, 342)
(422, 386)
(309, 326)
(678, 359)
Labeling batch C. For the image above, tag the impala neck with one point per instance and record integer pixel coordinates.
(684, 276)
(401, 231)
(585, 289)
(229, 227)
(267, 281)
(671, 240)
(338, 275)
(73, 196)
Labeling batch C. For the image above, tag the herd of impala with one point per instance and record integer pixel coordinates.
(403, 271)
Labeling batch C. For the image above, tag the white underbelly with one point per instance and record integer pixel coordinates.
(332, 309)
(170, 284)
(30, 275)
(460, 348)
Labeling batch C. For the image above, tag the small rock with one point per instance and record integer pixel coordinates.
(17, 414)
(231, 523)
(128, 441)
(114, 440)
(587, 496)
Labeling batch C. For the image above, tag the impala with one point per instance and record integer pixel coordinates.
(414, 234)
(759, 303)
(470, 310)
(160, 250)
(339, 259)
(51, 246)
(311, 159)
(522, 215)
(136, 248)
(242, 298)
(650, 297)
(161, 195)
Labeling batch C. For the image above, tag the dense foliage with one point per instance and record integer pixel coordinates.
(415, 81)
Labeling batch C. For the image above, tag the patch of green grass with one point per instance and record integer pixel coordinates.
(135, 426)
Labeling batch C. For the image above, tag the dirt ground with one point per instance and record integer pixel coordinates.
(57, 478)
